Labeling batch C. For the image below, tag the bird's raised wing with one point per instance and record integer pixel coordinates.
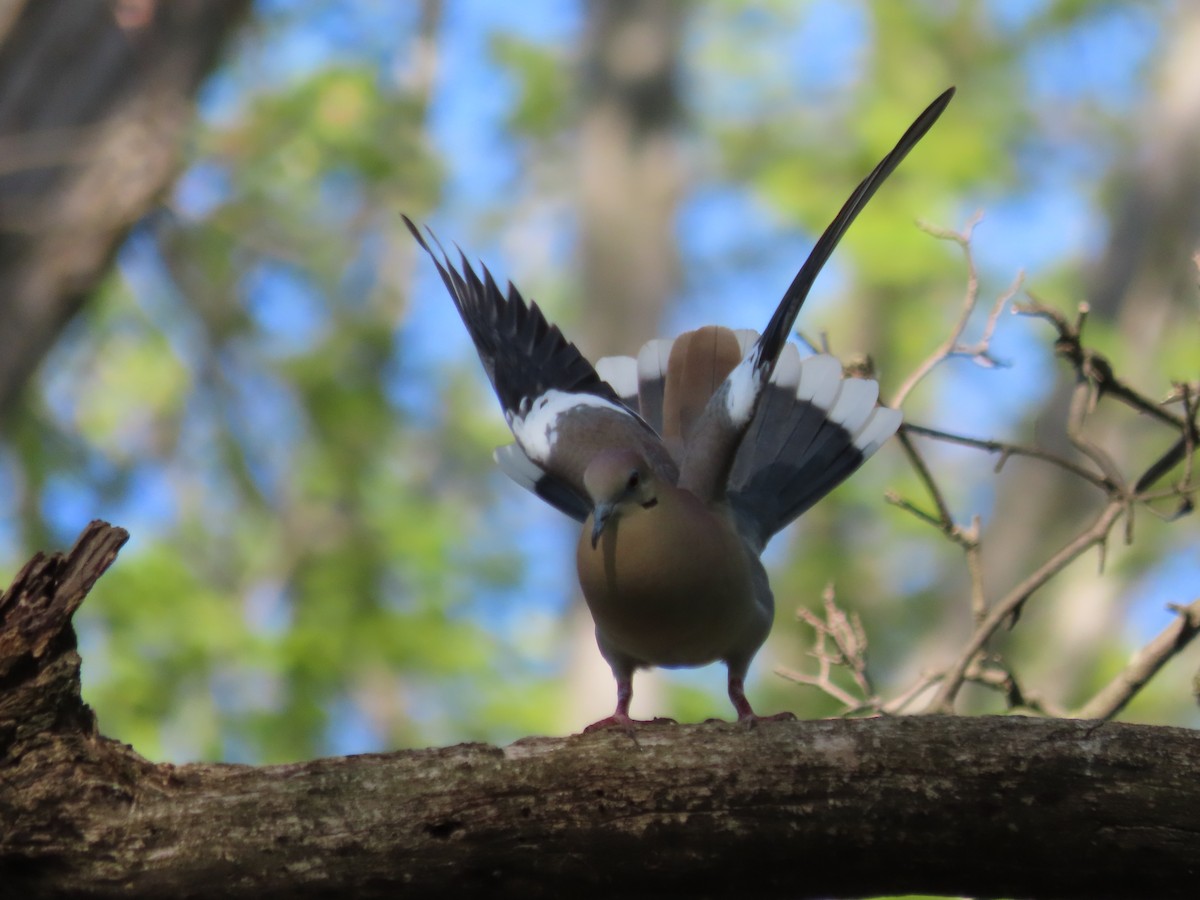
(714, 443)
(561, 412)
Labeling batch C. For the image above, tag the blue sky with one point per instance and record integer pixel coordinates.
(1052, 218)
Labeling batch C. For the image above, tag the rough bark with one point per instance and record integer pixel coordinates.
(986, 807)
(94, 107)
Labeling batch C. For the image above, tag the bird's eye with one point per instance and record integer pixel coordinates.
(634, 479)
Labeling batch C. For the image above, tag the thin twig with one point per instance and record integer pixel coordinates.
(1183, 450)
(970, 300)
(1007, 449)
(1010, 605)
(1090, 365)
(1114, 696)
(850, 652)
(943, 521)
(981, 350)
(975, 570)
(824, 684)
(992, 673)
(900, 702)
(1083, 403)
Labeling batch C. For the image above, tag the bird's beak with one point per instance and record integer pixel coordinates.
(600, 516)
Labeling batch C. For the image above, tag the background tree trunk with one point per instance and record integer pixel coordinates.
(1142, 286)
(96, 102)
(986, 807)
(630, 179)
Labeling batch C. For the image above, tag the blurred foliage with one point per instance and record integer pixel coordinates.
(321, 560)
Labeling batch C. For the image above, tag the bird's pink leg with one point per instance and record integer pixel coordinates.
(620, 718)
(746, 713)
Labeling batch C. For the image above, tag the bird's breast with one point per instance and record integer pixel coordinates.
(670, 585)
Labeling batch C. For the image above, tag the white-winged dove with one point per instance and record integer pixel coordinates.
(682, 463)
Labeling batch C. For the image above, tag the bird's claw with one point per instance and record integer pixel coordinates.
(625, 723)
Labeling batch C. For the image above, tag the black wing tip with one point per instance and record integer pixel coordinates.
(523, 353)
(943, 99)
(925, 121)
(773, 337)
(418, 237)
(442, 264)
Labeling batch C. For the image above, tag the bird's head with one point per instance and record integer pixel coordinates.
(617, 481)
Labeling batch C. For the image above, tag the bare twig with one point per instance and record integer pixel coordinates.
(967, 538)
(979, 604)
(1092, 366)
(1184, 450)
(1095, 380)
(943, 521)
(951, 346)
(1114, 696)
(824, 684)
(1007, 449)
(1010, 605)
(1083, 403)
(849, 651)
(988, 673)
(898, 704)
(991, 672)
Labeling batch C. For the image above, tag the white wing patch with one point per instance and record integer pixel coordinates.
(621, 373)
(537, 430)
(517, 466)
(855, 403)
(745, 339)
(744, 381)
(787, 369)
(743, 387)
(820, 380)
(848, 402)
(881, 425)
(653, 358)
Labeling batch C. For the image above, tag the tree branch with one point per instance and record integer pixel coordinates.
(985, 807)
(1007, 449)
(951, 346)
(1144, 665)
(849, 639)
(92, 129)
(1009, 607)
(1095, 379)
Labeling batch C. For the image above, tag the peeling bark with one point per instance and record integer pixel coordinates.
(980, 806)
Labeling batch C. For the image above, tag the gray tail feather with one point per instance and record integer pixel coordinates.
(640, 382)
(652, 362)
(804, 442)
(811, 430)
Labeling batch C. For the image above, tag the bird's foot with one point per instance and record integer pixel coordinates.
(746, 714)
(625, 723)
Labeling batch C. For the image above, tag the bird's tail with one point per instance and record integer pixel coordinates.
(811, 430)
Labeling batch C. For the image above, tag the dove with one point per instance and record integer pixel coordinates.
(680, 463)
